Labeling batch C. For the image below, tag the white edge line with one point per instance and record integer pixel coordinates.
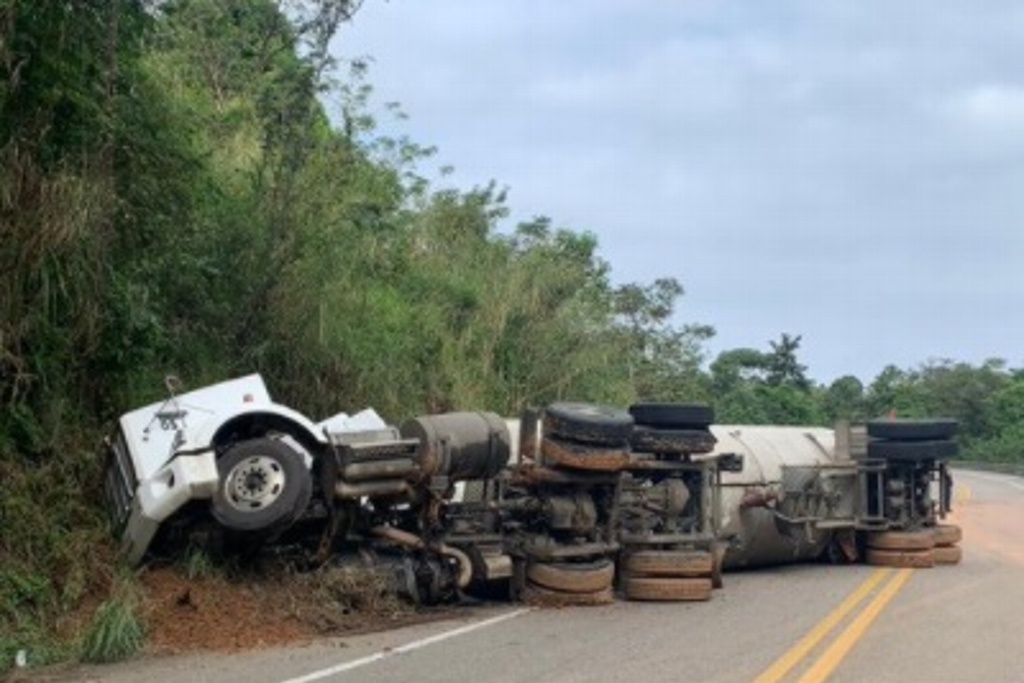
(408, 647)
(998, 479)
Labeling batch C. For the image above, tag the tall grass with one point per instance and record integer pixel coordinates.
(55, 552)
(116, 632)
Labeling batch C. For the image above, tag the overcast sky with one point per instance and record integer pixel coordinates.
(851, 171)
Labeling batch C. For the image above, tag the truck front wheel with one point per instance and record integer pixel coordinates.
(264, 487)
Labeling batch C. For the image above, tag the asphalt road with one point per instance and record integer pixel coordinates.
(801, 623)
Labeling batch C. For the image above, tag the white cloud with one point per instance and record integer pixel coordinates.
(993, 105)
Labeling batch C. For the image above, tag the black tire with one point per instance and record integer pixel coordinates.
(672, 415)
(264, 487)
(913, 430)
(923, 539)
(652, 440)
(912, 450)
(533, 594)
(671, 563)
(947, 554)
(657, 589)
(572, 455)
(915, 559)
(588, 423)
(572, 577)
(947, 534)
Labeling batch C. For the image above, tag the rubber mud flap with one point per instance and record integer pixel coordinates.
(673, 415)
(588, 423)
(659, 589)
(914, 559)
(572, 577)
(913, 430)
(923, 539)
(947, 534)
(558, 452)
(533, 594)
(947, 554)
(912, 450)
(651, 440)
(677, 563)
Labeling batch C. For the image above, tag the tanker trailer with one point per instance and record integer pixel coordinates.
(774, 459)
(874, 492)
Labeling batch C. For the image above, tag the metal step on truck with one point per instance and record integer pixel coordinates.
(573, 504)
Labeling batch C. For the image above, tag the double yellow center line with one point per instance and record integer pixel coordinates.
(841, 646)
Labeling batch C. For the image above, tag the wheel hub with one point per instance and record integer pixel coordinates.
(254, 483)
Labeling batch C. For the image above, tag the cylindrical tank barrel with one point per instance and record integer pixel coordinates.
(755, 538)
(461, 446)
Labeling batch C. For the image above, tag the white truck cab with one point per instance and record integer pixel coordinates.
(228, 443)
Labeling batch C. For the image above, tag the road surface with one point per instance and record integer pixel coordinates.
(800, 623)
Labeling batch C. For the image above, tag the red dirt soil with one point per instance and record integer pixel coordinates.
(226, 614)
(215, 614)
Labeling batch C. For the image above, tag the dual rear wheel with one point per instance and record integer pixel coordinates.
(919, 549)
(569, 583)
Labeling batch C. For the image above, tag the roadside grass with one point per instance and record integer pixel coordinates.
(116, 632)
(197, 563)
(56, 557)
(31, 648)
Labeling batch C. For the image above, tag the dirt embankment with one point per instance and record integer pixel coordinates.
(225, 613)
(223, 610)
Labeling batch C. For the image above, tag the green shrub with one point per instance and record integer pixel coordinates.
(197, 563)
(116, 632)
(39, 649)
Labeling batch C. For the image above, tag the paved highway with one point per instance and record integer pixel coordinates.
(801, 623)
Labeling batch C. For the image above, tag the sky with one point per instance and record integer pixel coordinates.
(851, 171)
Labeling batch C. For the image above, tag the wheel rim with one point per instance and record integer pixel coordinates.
(254, 483)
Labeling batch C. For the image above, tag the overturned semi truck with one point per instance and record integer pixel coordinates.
(572, 504)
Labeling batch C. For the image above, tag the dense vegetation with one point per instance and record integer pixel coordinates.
(176, 198)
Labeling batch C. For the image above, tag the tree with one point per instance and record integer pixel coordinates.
(753, 387)
(1003, 441)
(892, 392)
(844, 399)
(663, 360)
(736, 368)
(962, 391)
(782, 367)
(1006, 407)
